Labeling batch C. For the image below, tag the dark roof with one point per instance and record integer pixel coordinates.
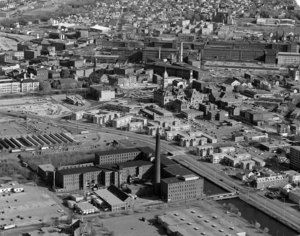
(172, 180)
(165, 162)
(79, 170)
(146, 150)
(122, 150)
(177, 170)
(134, 164)
(118, 192)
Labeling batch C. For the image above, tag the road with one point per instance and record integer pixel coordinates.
(165, 146)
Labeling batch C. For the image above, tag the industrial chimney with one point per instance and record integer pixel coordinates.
(157, 164)
(159, 52)
(181, 52)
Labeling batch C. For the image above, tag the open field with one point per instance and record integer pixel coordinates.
(7, 44)
(99, 138)
(30, 207)
(11, 128)
(42, 107)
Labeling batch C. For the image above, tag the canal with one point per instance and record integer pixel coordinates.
(250, 213)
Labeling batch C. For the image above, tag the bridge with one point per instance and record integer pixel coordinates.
(222, 196)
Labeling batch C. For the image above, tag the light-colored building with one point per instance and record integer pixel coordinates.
(121, 121)
(271, 181)
(10, 87)
(106, 95)
(228, 149)
(294, 196)
(204, 150)
(29, 85)
(294, 176)
(258, 161)
(191, 222)
(288, 58)
(85, 208)
(215, 158)
(113, 202)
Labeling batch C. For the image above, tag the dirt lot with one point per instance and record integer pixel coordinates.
(12, 129)
(43, 107)
(61, 99)
(32, 206)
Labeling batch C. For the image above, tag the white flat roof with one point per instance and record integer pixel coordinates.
(108, 197)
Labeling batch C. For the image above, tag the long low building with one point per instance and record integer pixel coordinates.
(190, 222)
(114, 203)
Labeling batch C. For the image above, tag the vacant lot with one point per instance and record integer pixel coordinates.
(43, 107)
(32, 206)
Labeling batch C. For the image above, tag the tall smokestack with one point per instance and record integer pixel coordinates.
(181, 52)
(159, 53)
(157, 163)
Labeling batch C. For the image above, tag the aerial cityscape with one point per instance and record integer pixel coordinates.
(150, 117)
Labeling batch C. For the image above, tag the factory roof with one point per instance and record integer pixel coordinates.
(166, 161)
(191, 222)
(118, 192)
(78, 170)
(118, 151)
(47, 167)
(178, 170)
(108, 197)
(85, 206)
(172, 180)
(134, 164)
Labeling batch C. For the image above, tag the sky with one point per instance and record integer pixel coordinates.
(298, 2)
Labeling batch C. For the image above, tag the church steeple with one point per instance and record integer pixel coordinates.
(165, 76)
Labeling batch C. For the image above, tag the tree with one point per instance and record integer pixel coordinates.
(257, 225)
(45, 86)
(65, 73)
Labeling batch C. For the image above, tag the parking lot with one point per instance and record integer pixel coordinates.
(32, 206)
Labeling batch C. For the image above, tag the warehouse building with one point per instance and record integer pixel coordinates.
(190, 222)
(122, 155)
(114, 203)
(77, 177)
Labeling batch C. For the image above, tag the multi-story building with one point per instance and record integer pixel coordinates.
(294, 176)
(121, 121)
(274, 181)
(77, 177)
(295, 157)
(116, 156)
(40, 73)
(134, 170)
(10, 87)
(288, 58)
(102, 94)
(294, 196)
(181, 188)
(29, 85)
